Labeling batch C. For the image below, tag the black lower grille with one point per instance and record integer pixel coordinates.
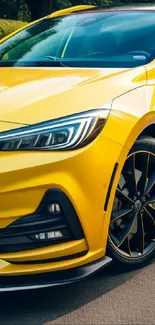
(32, 231)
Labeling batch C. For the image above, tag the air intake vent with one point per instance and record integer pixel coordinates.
(55, 221)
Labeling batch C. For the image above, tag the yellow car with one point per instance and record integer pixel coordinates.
(77, 145)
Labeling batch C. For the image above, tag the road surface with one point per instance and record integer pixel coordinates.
(105, 298)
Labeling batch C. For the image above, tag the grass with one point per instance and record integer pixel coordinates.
(9, 26)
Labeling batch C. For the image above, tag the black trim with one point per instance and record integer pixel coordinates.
(56, 259)
(45, 280)
(110, 186)
(21, 234)
(68, 209)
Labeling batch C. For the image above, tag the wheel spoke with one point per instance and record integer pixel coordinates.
(127, 230)
(150, 201)
(114, 238)
(150, 213)
(123, 197)
(138, 238)
(144, 176)
(150, 184)
(129, 176)
(129, 248)
(116, 215)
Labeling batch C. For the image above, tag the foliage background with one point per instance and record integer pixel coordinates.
(26, 10)
(21, 9)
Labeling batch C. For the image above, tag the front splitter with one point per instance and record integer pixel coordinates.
(46, 280)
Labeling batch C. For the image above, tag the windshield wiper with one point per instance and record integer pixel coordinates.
(52, 60)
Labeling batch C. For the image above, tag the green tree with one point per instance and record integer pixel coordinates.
(40, 8)
(33, 9)
(14, 9)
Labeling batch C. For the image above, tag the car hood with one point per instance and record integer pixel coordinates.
(31, 95)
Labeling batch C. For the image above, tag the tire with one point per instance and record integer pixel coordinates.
(131, 240)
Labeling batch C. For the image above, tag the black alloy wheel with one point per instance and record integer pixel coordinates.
(132, 225)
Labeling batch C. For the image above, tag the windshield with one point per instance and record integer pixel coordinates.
(88, 39)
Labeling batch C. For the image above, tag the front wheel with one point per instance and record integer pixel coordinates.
(131, 239)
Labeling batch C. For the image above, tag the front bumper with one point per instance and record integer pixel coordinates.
(52, 279)
(83, 176)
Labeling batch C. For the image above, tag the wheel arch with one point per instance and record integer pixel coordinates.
(144, 127)
(148, 131)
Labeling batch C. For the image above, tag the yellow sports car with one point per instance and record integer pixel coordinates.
(77, 145)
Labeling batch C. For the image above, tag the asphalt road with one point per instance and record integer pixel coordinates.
(105, 298)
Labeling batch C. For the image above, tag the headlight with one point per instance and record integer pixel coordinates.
(66, 133)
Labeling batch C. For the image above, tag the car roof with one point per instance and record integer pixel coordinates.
(90, 8)
(134, 7)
